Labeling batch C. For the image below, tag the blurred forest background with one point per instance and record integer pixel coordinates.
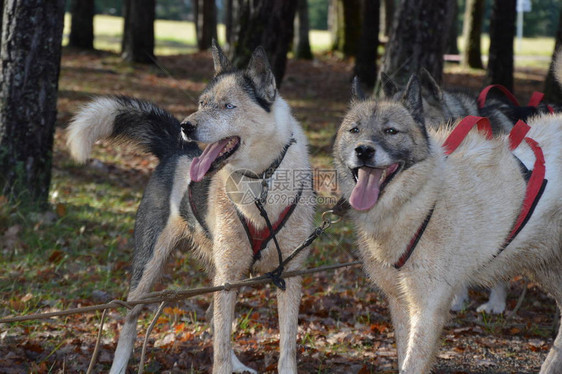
(65, 229)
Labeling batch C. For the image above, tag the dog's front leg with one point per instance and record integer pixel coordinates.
(428, 314)
(288, 302)
(223, 315)
(401, 322)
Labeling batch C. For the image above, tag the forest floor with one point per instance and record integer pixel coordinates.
(78, 253)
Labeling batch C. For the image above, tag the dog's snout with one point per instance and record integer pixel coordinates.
(187, 127)
(364, 152)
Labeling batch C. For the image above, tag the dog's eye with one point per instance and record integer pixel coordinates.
(391, 131)
(229, 106)
(354, 130)
(201, 103)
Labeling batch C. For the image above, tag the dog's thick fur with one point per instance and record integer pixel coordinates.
(244, 107)
(476, 194)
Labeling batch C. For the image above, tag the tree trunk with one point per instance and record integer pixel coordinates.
(388, 16)
(82, 24)
(552, 90)
(229, 21)
(269, 24)
(138, 33)
(205, 13)
(502, 32)
(302, 43)
(30, 54)
(346, 26)
(472, 29)
(366, 61)
(1, 16)
(452, 46)
(418, 39)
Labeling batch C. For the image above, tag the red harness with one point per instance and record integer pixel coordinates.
(259, 238)
(535, 185)
(534, 101)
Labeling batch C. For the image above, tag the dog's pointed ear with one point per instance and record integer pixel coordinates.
(221, 62)
(357, 93)
(412, 99)
(389, 88)
(259, 71)
(429, 83)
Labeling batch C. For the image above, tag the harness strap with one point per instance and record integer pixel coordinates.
(484, 94)
(535, 188)
(267, 173)
(259, 238)
(463, 128)
(517, 134)
(414, 241)
(534, 101)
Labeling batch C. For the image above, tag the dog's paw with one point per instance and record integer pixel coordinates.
(459, 301)
(492, 307)
(238, 367)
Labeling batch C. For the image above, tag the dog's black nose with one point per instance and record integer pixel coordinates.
(187, 127)
(364, 152)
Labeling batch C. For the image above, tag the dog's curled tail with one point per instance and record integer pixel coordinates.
(123, 119)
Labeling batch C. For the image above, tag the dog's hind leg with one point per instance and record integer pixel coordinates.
(151, 252)
(288, 307)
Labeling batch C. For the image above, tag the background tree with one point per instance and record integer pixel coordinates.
(81, 24)
(228, 19)
(205, 17)
(138, 33)
(31, 53)
(472, 29)
(552, 90)
(1, 15)
(388, 13)
(318, 14)
(502, 32)
(452, 47)
(345, 25)
(302, 42)
(366, 61)
(418, 38)
(269, 24)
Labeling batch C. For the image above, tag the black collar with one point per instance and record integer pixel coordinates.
(268, 172)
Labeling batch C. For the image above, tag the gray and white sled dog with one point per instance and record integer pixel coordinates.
(198, 201)
(441, 108)
(430, 224)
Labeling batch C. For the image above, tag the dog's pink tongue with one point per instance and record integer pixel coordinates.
(201, 165)
(366, 191)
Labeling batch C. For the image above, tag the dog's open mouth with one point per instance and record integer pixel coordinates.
(369, 183)
(213, 157)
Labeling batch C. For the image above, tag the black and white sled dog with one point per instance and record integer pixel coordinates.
(430, 224)
(201, 198)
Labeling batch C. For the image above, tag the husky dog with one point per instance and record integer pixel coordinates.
(198, 200)
(456, 211)
(441, 108)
